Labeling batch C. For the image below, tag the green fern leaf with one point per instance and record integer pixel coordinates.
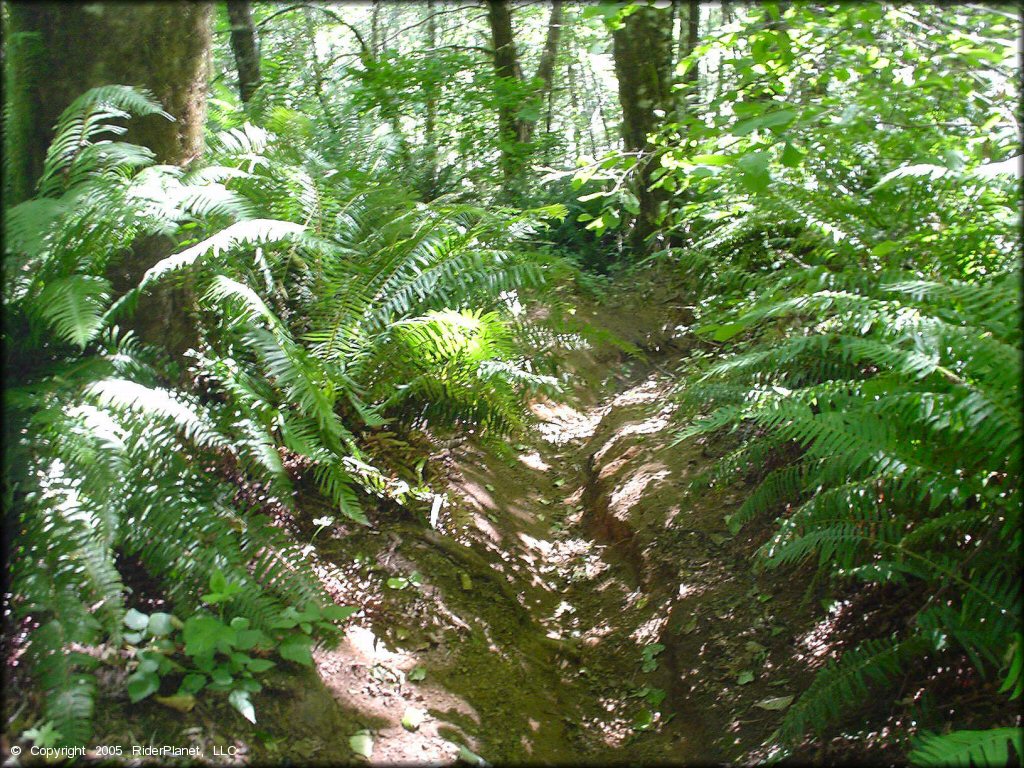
(73, 306)
(969, 748)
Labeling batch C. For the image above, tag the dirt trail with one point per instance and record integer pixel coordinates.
(568, 608)
(527, 620)
(573, 605)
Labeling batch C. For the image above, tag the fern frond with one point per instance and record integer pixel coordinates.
(73, 306)
(969, 748)
(843, 685)
(161, 404)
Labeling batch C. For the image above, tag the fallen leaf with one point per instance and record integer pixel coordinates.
(744, 677)
(416, 674)
(655, 696)
(643, 721)
(239, 699)
(466, 755)
(183, 703)
(755, 648)
(362, 743)
(413, 718)
(779, 702)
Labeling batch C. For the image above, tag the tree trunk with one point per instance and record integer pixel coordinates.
(592, 85)
(430, 106)
(514, 133)
(546, 65)
(375, 29)
(163, 47)
(319, 81)
(506, 67)
(388, 101)
(642, 49)
(689, 36)
(245, 45)
(692, 36)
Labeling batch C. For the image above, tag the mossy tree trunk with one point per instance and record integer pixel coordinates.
(689, 34)
(544, 77)
(642, 49)
(163, 47)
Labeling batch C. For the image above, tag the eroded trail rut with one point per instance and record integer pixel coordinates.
(572, 605)
(532, 614)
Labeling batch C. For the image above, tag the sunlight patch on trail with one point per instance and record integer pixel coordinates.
(561, 423)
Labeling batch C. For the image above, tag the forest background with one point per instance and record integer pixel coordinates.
(247, 244)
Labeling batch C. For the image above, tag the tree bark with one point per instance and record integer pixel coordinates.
(514, 133)
(430, 107)
(506, 68)
(245, 45)
(375, 29)
(163, 47)
(595, 88)
(692, 36)
(642, 49)
(319, 81)
(544, 76)
(689, 36)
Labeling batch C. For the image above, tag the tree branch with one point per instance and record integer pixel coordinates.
(337, 19)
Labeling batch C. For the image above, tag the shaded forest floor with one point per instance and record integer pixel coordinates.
(572, 606)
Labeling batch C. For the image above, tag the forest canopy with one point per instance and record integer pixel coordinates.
(319, 316)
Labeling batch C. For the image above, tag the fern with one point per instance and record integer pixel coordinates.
(878, 409)
(102, 456)
(850, 679)
(72, 305)
(330, 303)
(934, 423)
(969, 748)
(374, 262)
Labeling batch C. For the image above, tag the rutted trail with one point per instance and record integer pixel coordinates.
(568, 608)
(526, 624)
(573, 605)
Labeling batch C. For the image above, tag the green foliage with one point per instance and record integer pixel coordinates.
(394, 313)
(860, 285)
(967, 748)
(649, 654)
(903, 405)
(840, 186)
(386, 294)
(217, 653)
(102, 456)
